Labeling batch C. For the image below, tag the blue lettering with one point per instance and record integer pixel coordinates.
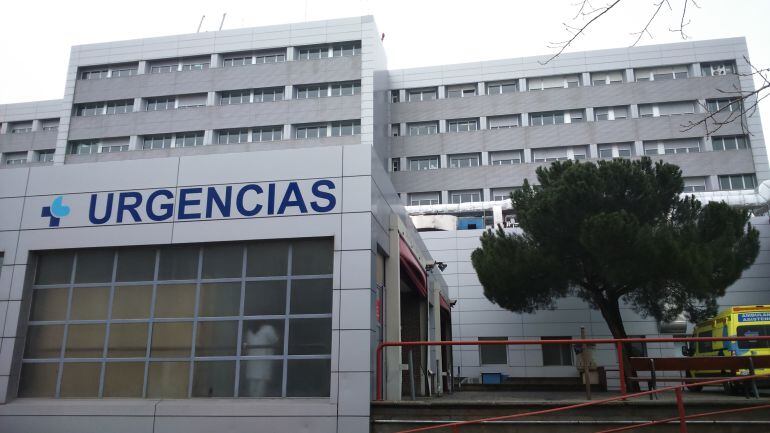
(125, 206)
(292, 191)
(107, 210)
(239, 200)
(166, 208)
(184, 201)
(270, 198)
(213, 198)
(324, 195)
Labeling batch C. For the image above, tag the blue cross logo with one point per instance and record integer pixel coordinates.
(55, 212)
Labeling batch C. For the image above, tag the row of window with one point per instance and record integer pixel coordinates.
(26, 126)
(230, 97)
(222, 136)
(550, 154)
(553, 354)
(563, 116)
(692, 184)
(19, 158)
(343, 49)
(601, 78)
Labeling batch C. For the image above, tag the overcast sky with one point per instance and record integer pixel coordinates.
(36, 36)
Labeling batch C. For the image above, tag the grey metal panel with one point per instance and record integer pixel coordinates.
(28, 141)
(216, 117)
(498, 176)
(564, 99)
(30, 110)
(216, 79)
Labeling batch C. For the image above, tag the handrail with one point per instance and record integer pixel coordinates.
(676, 388)
(618, 342)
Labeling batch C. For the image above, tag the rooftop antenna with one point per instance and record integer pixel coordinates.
(200, 23)
(223, 20)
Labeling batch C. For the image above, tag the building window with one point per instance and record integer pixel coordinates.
(662, 73)
(553, 82)
(424, 163)
(347, 127)
(552, 118)
(606, 78)
(94, 75)
(610, 113)
(676, 108)
(424, 198)
(423, 128)
(15, 158)
(90, 109)
(576, 116)
(195, 66)
(723, 105)
(45, 155)
(310, 131)
(639, 349)
(506, 157)
(234, 97)
(466, 196)
(552, 154)
(189, 139)
(395, 164)
(230, 62)
(464, 160)
(261, 314)
(395, 130)
(395, 96)
(463, 125)
(414, 95)
(50, 128)
(501, 194)
(503, 122)
(157, 142)
(671, 147)
(269, 94)
(112, 148)
(729, 142)
(21, 129)
(346, 89)
(461, 91)
(501, 87)
(85, 147)
(718, 68)
(159, 104)
(313, 53)
(738, 182)
(233, 136)
(615, 150)
(312, 91)
(557, 354)
(163, 69)
(493, 354)
(267, 133)
(694, 184)
(271, 58)
(120, 107)
(346, 49)
(125, 72)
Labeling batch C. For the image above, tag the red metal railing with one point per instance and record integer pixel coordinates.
(618, 342)
(682, 417)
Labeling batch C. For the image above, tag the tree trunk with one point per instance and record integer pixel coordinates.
(610, 310)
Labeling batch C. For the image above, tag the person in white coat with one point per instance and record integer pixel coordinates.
(259, 374)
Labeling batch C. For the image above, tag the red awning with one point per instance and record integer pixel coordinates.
(415, 273)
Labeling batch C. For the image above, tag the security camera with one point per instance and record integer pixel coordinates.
(441, 266)
(430, 266)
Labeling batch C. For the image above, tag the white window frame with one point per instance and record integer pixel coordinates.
(181, 139)
(464, 160)
(424, 198)
(157, 141)
(605, 78)
(346, 128)
(314, 131)
(423, 163)
(15, 158)
(505, 121)
(422, 128)
(506, 157)
(461, 90)
(616, 150)
(737, 182)
(465, 196)
(234, 97)
(44, 156)
(729, 142)
(267, 133)
(611, 113)
(502, 87)
(462, 125)
(418, 95)
(233, 136)
(235, 61)
(694, 184)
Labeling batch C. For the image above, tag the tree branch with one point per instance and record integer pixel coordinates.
(580, 30)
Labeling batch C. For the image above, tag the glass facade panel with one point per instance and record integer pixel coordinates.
(141, 336)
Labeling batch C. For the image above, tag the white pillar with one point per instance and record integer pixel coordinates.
(287, 132)
(590, 114)
(208, 137)
(443, 161)
(695, 70)
(712, 183)
(216, 60)
(441, 92)
(211, 98)
(444, 197)
(442, 126)
(30, 156)
(593, 150)
(524, 119)
(586, 79)
(288, 92)
(142, 67)
(290, 51)
(633, 111)
(484, 158)
(527, 155)
(522, 84)
(483, 122)
(630, 78)
(482, 88)
(392, 309)
(137, 104)
(133, 143)
(639, 148)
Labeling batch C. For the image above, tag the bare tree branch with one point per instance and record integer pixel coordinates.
(742, 104)
(646, 28)
(580, 30)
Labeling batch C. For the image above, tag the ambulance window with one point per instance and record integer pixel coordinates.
(705, 346)
(754, 331)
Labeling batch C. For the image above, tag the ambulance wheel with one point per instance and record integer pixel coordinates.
(694, 388)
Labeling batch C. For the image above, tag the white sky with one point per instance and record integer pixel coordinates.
(36, 36)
